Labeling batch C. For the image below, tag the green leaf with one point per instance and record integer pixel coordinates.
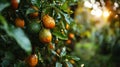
(69, 64)
(2, 6)
(75, 58)
(7, 60)
(3, 22)
(67, 18)
(17, 34)
(22, 40)
(58, 64)
(20, 64)
(5, 63)
(30, 10)
(60, 35)
(63, 53)
(64, 6)
(53, 52)
(36, 2)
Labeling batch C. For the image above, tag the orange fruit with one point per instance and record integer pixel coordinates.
(48, 22)
(71, 35)
(19, 22)
(34, 15)
(45, 36)
(72, 61)
(14, 4)
(32, 60)
(68, 41)
(67, 26)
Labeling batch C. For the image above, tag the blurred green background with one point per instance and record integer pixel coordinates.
(97, 31)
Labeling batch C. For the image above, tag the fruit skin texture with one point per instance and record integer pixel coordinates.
(14, 4)
(48, 22)
(71, 35)
(32, 60)
(68, 41)
(19, 22)
(34, 27)
(45, 36)
(34, 15)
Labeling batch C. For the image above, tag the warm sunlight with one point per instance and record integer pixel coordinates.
(106, 13)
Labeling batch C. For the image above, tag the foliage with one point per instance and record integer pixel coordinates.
(18, 43)
(94, 42)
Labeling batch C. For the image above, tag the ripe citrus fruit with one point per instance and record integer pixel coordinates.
(19, 22)
(72, 61)
(45, 36)
(68, 41)
(34, 15)
(48, 22)
(71, 35)
(67, 26)
(32, 60)
(15, 3)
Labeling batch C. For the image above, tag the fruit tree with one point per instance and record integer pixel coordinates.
(33, 33)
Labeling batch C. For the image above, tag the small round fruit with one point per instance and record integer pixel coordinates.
(34, 27)
(15, 3)
(45, 36)
(67, 26)
(72, 61)
(68, 41)
(48, 22)
(19, 22)
(71, 35)
(32, 60)
(34, 15)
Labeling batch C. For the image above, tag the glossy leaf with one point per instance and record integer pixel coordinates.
(69, 64)
(30, 10)
(36, 2)
(2, 6)
(58, 64)
(63, 53)
(18, 34)
(75, 58)
(64, 6)
(21, 39)
(60, 35)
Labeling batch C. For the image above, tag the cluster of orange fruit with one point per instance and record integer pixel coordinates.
(45, 35)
